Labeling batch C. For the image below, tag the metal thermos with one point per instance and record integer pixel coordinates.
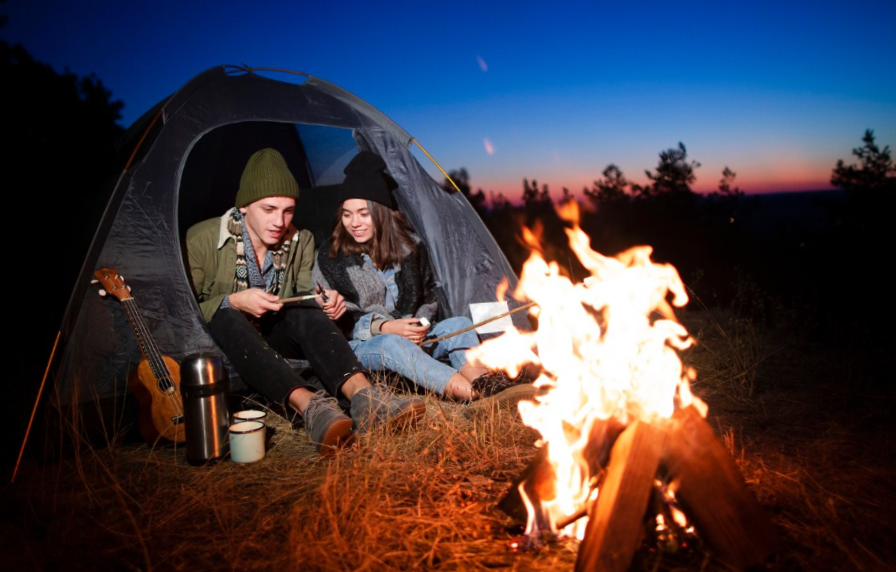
(206, 391)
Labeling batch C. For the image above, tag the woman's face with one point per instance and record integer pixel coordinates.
(357, 220)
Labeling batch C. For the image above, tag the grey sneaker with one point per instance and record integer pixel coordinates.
(374, 405)
(326, 425)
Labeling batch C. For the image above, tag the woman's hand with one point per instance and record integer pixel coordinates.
(409, 328)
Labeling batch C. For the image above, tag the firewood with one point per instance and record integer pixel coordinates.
(616, 519)
(538, 481)
(538, 476)
(711, 490)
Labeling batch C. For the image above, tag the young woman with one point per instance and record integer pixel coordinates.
(376, 261)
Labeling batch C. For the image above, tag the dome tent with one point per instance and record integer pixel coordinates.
(188, 154)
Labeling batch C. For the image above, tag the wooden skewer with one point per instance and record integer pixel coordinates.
(300, 298)
(474, 326)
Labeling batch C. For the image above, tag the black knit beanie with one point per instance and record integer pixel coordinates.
(366, 178)
(266, 175)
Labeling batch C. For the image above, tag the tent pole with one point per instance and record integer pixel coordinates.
(434, 162)
(34, 411)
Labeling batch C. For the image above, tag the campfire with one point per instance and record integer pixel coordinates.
(625, 449)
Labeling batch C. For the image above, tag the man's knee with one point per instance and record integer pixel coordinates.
(301, 315)
(311, 323)
(227, 320)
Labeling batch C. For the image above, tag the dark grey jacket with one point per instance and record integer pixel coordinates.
(365, 291)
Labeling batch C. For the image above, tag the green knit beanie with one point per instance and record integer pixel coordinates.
(266, 175)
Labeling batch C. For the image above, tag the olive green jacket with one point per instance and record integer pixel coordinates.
(211, 250)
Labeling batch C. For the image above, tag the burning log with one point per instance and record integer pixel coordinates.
(537, 479)
(616, 519)
(712, 492)
(684, 451)
(608, 348)
(706, 482)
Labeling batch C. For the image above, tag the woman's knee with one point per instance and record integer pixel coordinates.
(396, 343)
(389, 351)
(456, 323)
(466, 338)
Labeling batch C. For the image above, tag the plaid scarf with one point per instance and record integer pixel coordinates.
(279, 256)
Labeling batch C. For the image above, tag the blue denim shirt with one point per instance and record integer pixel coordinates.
(362, 326)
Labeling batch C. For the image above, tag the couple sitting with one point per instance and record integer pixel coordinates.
(373, 277)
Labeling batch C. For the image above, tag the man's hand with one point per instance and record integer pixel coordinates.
(409, 328)
(255, 302)
(334, 306)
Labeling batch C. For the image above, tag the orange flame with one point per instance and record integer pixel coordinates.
(608, 348)
(501, 289)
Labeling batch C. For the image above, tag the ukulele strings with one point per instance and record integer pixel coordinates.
(153, 355)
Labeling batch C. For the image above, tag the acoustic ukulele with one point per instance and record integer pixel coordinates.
(156, 380)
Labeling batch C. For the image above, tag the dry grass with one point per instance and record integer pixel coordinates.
(813, 436)
(818, 455)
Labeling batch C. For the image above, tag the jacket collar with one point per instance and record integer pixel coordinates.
(223, 234)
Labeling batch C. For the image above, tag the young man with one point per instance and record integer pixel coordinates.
(242, 265)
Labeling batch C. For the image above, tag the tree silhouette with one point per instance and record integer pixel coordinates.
(727, 201)
(58, 134)
(567, 197)
(535, 199)
(726, 182)
(613, 188)
(674, 175)
(498, 201)
(869, 188)
(875, 173)
(60, 127)
(857, 237)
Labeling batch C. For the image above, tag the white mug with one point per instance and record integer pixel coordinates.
(249, 415)
(247, 441)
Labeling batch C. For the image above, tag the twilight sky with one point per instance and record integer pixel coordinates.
(552, 91)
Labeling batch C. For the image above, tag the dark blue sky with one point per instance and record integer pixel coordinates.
(777, 91)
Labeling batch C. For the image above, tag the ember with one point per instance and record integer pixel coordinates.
(616, 411)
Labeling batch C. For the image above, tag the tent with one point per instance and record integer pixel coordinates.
(187, 156)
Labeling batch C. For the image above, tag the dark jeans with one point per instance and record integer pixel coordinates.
(298, 331)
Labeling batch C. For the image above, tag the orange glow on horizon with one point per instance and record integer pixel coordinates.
(513, 190)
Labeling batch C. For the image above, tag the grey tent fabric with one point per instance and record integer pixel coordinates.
(186, 168)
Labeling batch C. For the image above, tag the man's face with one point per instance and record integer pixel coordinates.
(268, 219)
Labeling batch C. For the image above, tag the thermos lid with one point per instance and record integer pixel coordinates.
(203, 370)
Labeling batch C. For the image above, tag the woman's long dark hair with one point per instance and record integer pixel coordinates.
(393, 236)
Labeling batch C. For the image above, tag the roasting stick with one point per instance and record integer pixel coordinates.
(299, 298)
(474, 326)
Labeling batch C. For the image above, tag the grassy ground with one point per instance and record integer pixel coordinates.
(809, 427)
